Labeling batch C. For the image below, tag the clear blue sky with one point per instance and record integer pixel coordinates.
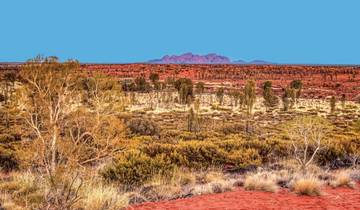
(284, 31)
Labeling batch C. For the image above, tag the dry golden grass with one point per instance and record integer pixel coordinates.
(102, 197)
(355, 174)
(210, 176)
(307, 186)
(221, 186)
(202, 189)
(342, 179)
(183, 177)
(20, 183)
(7, 203)
(261, 182)
(20, 190)
(167, 191)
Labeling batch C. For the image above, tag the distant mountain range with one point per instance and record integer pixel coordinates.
(212, 58)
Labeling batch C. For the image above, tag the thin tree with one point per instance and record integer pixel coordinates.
(332, 104)
(50, 88)
(307, 135)
(220, 95)
(270, 100)
(250, 95)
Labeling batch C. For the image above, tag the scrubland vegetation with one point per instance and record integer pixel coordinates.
(72, 139)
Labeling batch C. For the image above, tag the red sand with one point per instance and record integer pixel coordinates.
(341, 198)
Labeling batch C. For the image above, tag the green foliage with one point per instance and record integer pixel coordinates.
(288, 99)
(232, 128)
(134, 168)
(237, 97)
(199, 87)
(294, 91)
(270, 100)
(200, 154)
(307, 135)
(184, 86)
(193, 121)
(332, 104)
(145, 127)
(340, 151)
(296, 84)
(154, 77)
(220, 95)
(244, 157)
(141, 84)
(250, 95)
(343, 101)
(8, 159)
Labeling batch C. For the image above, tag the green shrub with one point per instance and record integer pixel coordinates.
(339, 150)
(155, 149)
(133, 168)
(8, 160)
(143, 127)
(232, 128)
(244, 157)
(202, 154)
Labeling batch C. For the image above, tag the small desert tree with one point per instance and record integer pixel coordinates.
(288, 98)
(193, 121)
(220, 95)
(236, 97)
(296, 86)
(199, 88)
(184, 86)
(343, 101)
(141, 84)
(154, 77)
(103, 94)
(307, 135)
(270, 100)
(250, 95)
(332, 104)
(49, 90)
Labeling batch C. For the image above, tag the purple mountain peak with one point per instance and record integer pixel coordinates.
(211, 58)
(189, 58)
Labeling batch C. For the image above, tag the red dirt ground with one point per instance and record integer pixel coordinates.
(340, 198)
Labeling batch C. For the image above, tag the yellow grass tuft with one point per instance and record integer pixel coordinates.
(102, 197)
(342, 179)
(261, 182)
(221, 186)
(203, 189)
(307, 186)
(210, 176)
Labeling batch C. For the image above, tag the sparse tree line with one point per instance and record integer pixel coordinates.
(65, 125)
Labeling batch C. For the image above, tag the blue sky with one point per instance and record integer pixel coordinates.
(283, 31)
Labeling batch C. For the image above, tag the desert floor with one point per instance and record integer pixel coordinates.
(339, 198)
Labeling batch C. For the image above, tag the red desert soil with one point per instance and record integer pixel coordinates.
(340, 198)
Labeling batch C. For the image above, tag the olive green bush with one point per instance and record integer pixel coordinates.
(134, 168)
(143, 127)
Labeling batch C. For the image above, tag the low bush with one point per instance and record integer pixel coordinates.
(22, 189)
(202, 189)
(260, 182)
(307, 186)
(133, 168)
(221, 186)
(343, 179)
(338, 151)
(145, 127)
(244, 157)
(199, 155)
(156, 192)
(8, 161)
(102, 197)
